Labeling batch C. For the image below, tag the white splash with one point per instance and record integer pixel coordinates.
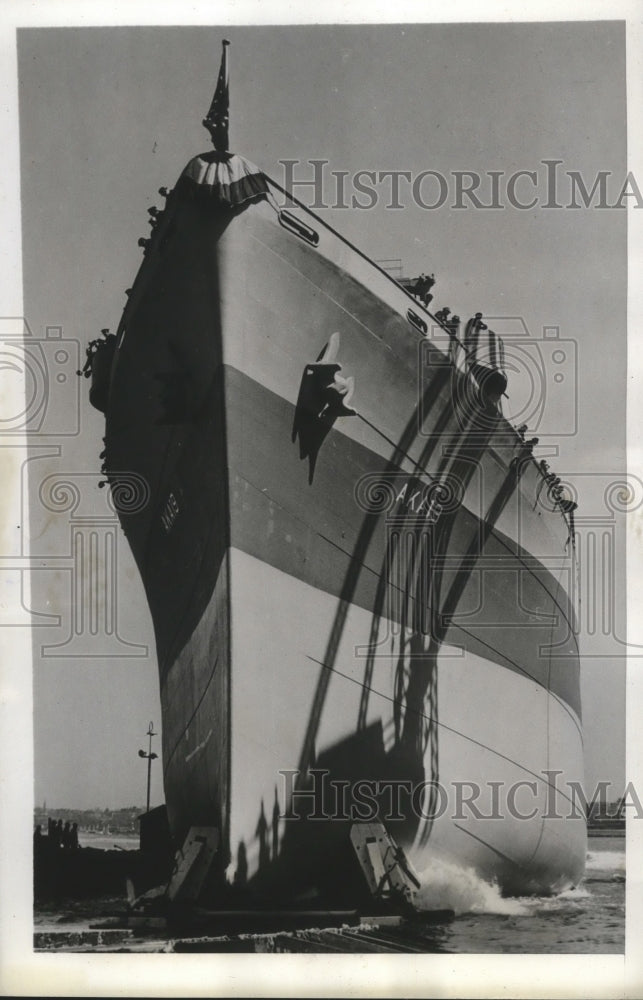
(606, 861)
(447, 886)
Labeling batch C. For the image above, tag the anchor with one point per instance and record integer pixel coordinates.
(324, 397)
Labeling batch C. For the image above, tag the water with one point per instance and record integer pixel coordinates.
(589, 919)
(109, 841)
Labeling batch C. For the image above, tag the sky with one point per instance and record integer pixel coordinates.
(108, 115)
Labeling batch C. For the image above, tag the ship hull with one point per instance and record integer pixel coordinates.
(331, 648)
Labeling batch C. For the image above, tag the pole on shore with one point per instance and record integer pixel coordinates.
(149, 756)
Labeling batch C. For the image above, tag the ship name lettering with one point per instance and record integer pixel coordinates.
(170, 512)
(431, 510)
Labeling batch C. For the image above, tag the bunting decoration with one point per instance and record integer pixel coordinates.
(228, 181)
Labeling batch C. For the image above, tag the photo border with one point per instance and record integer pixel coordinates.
(23, 972)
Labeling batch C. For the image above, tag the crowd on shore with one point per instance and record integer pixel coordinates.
(59, 836)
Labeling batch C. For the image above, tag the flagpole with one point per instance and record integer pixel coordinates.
(217, 119)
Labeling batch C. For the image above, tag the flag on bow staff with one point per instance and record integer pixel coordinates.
(217, 119)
